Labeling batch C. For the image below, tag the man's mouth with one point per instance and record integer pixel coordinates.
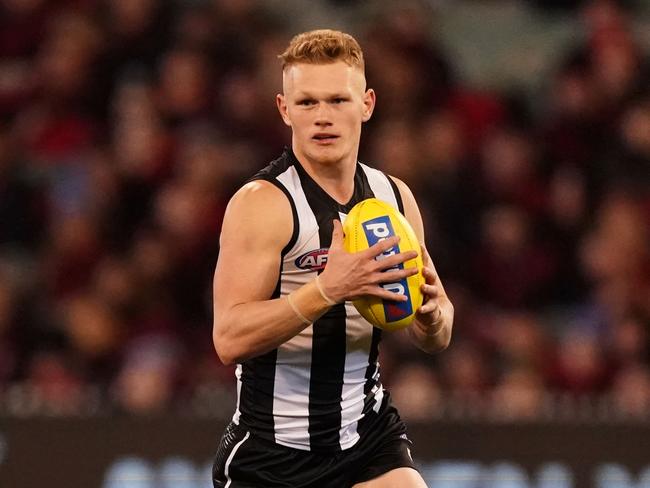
(324, 137)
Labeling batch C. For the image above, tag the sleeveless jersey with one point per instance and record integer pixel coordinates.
(314, 391)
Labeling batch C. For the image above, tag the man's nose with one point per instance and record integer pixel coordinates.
(323, 115)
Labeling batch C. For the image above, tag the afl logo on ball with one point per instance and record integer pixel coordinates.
(313, 260)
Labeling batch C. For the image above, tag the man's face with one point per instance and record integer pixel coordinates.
(325, 105)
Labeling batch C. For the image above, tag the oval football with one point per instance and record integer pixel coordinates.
(366, 224)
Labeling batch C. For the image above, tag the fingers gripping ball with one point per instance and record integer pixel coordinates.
(369, 222)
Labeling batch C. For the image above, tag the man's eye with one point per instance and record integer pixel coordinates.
(338, 100)
(306, 102)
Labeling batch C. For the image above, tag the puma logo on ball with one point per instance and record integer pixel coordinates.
(376, 230)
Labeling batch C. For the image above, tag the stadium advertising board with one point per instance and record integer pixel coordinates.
(165, 452)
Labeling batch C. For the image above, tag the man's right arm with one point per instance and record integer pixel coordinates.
(257, 225)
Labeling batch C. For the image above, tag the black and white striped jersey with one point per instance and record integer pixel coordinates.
(314, 391)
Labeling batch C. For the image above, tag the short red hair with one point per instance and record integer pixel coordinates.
(323, 46)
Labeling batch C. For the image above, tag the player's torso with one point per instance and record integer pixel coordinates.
(313, 391)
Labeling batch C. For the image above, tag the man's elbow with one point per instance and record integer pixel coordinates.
(223, 346)
(225, 358)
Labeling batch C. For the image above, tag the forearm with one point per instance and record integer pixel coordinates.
(436, 337)
(251, 329)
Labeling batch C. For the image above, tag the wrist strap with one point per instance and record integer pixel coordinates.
(302, 318)
(327, 299)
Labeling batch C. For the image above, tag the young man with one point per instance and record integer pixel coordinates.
(311, 410)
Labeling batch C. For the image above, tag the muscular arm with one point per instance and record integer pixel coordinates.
(257, 225)
(247, 322)
(431, 331)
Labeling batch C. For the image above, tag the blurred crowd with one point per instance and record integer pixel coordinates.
(126, 125)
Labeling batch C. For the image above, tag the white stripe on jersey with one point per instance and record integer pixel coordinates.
(235, 418)
(308, 231)
(377, 391)
(354, 375)
(380, 185)
(292, 370)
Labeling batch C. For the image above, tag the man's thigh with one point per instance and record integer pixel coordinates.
(395, 478)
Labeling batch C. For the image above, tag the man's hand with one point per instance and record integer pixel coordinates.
(348, 276)
(431, 329)
(429, 315)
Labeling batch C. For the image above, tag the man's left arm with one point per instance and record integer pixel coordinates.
(431, 329)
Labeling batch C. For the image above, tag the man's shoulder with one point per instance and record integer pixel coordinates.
(259, 193)
(260, 216)
(265, 186)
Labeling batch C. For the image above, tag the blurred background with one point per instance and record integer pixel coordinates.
(523, 128)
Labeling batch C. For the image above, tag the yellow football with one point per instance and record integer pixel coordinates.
(369, 222)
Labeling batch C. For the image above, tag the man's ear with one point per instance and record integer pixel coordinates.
(369, 99)
(281, 102)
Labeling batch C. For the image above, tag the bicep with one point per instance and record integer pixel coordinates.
(256, 227)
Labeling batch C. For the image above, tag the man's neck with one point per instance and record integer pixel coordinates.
(335, 177)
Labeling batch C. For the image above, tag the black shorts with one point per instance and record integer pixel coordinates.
(247, 461)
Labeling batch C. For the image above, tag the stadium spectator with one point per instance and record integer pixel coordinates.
(125, 127)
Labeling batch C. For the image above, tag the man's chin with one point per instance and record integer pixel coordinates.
(325, 155)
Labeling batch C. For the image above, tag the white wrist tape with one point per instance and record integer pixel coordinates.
(327, 299)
